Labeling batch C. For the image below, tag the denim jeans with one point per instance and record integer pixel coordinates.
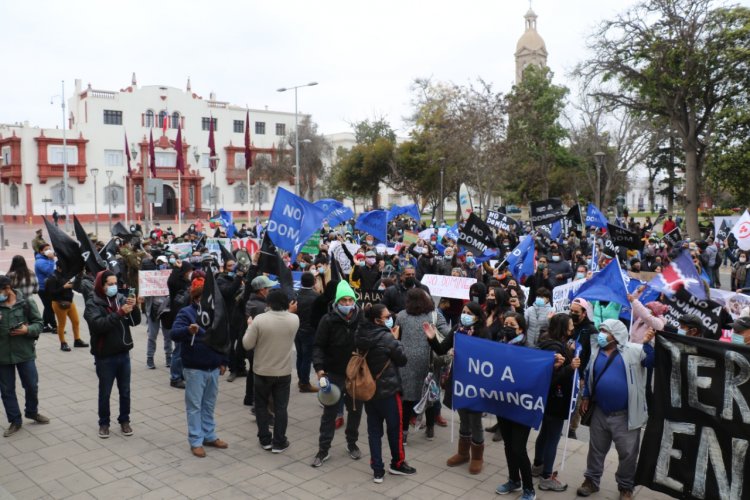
(515, 437)
(278, 389)
(152, 327)
(328, 419)
(303, 343)
(175, 368)
(545, 448)
(30, 382)
(470, 424)
(201, 391)
(390, 410)
(110, 369)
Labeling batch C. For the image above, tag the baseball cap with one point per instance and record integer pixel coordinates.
(691, 321)
(739, 325)
(261, 282)
(161, 259)
(370, 253)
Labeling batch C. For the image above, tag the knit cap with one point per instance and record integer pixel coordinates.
(344, 290)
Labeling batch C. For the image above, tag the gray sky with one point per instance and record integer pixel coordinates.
(364, 54)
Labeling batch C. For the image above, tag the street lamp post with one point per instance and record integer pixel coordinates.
(442, 196)
(134, 155)
(2, 216)
(214, 162)
(94, 173)
(109, 197)
(599, 158)
(296, 131)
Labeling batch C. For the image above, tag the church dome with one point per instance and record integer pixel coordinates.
(530, 40)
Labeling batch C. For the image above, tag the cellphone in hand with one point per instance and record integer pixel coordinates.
(18, 326)
(131, 293)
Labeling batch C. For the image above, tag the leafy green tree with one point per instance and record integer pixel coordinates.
(535, 136)
(683, 60)
(312, 149)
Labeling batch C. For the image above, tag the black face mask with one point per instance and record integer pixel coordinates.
(509, 333)
(491, 303)
(410, 282)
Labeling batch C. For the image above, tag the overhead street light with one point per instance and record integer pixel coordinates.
(296, 131)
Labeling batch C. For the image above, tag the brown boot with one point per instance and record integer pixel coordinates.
(477, 460)
(464, 443)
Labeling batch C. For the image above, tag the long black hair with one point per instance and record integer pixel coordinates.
(20, 270)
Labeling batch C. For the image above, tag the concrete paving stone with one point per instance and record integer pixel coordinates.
(23, 442)
(102, 476)
(32, 493)
(55, 489)
(78, 482)
(52, 470)
(235, 472)
(84, 495)
(18, 481)
(147, 480)
(199, 486)
(122, 488)
(62, 450)
(163, 493)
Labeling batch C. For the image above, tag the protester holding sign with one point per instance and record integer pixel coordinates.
(615, 392)
(470, 431)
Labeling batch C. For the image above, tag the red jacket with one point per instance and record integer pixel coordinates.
(668, 226)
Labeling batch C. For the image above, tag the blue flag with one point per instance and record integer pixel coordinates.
(488, 254)
(680, 273)
(521, 259)
(606, 285)
(410, 210)
(228, 222)
(335, 211)
(509, 381)
(595, 218)
(374, 222)
(556, 230)
(452, 232)
(594, 259)
(293, 220)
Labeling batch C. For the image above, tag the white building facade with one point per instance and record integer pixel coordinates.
(97, 122)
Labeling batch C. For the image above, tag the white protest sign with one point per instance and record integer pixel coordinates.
(452, 287)
(561, 294)
(153, 283)
(734, 302)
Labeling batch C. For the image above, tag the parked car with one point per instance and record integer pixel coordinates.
(513, 209)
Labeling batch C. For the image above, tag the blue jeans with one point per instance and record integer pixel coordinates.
(390, 410)
(545, 448)
(152, 327)
(30, 382)
(303, 342)
(201, 391)
(110, 369)
(278, 389)
(175, 368)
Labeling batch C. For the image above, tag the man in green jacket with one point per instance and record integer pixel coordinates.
(20, 326)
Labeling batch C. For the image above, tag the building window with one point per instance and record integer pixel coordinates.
(281, 129)
(175, 119)
(55, 155)
(260, 128)
(191, 197)
(240, 193)
(162, 118)
(239, 126)
(239, 160)
(206, 123)
(149, 122)
(258, 191)
(6, 155)
(165, 159)
(137, 195)
(208, 200)
(114, 193)
(112, 117)
(204, 160)
(58, 197)
(113, 158)
(13, 195)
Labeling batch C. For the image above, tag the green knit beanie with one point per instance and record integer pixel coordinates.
(344, 290)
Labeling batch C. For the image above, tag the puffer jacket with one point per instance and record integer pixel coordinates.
(560, 390)
(380, 345)
(19, 348)
(195, 352)
(108, 324)
(43, 268)
(334, 341)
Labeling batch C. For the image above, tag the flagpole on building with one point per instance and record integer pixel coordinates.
(179, 202)
(249, 206)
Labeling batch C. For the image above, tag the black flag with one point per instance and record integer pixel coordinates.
(673, 238)
(502, 221)
(109, 254)
(476, 235)
(212, 316)
(68, 253)
(91, 258)
(574, 214)
(120, 230)
(226, 254)
(723, 233)
(624, 238)
(546, 211)
(268, 255)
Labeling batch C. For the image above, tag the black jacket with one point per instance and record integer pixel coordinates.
(176, 284)
(334, 341)
(54, 288)
(378, 342)
(367, 276)
(255, 305)
(305, 299)
(394, 297)
(558, 398)
(108, 325)
(582, 334)
(228, 286)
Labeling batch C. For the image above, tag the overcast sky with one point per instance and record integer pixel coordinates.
(364, 54)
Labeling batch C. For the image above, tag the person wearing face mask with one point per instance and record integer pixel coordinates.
(178, 284)
(60, 292)
(153, 307)
(366, 271)
(470, 431)
(740, 277)
(741, 331)
(256, 304)
(44, 266)
(332, 349)
(377, 337)
(305, 337)
(537, 316)
(615, 384)
(426, 263)
(559, 268)
(109, 317)
(645, 316)
(230, 287)
(394, 297)
(690, 325)
(540, 279)
(444, 264)
(20, 326)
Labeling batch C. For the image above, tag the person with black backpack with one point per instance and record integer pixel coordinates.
(179, 297)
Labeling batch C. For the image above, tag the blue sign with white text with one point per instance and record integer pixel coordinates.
(509, 381)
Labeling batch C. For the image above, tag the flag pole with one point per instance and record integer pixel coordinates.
(571, 409)
(249, 206)
(179, 202)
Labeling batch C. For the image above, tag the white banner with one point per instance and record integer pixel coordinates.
(561, 294)
(452, 287)
(733, 301)
(153, 283)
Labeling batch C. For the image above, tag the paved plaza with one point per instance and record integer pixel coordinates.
(66, 459)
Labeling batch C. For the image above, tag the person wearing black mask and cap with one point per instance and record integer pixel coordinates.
(305, 338)
(179, 297)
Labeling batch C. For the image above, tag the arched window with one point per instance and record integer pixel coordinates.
(58, 198)
(240, 193)
(150, 118)
(209, 194)
(115, 193)
(175, 119)
(162, 116)
(137, 195)
(258, 193)
(14, 195)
